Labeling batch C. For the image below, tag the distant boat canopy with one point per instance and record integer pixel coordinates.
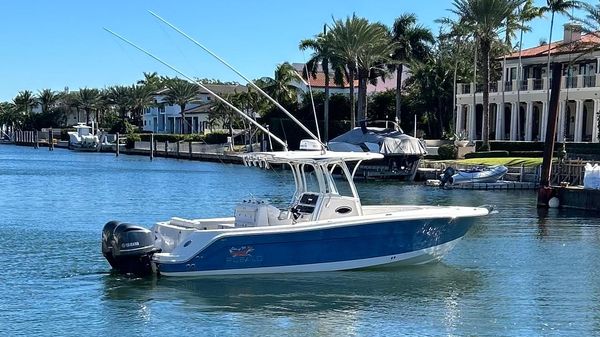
(379, 140)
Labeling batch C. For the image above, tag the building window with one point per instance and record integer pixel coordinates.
(208, 98)
(161, 108)
(144, 123)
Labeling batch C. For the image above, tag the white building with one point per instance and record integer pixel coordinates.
(166, 118)
(519, 109)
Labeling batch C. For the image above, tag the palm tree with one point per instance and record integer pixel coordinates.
(485, 19)
(279, 87)
(120, 98)
(371, 62)
(25, 101)
(47, 99)
(360, 45)
(88, 99)
(10, 116)
(181, 92)
(141, 98)
(556, 6)
(323, 56)
(413, 42)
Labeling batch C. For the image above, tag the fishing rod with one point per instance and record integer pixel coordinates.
(284, 144)
(241, 75)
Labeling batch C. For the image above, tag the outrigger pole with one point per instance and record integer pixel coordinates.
(241, 75)
(284, 144)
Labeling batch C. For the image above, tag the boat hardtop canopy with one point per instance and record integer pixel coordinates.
(82, 126)
(307, 157)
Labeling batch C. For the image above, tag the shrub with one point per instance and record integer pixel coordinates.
(131, 139)
(216, 138)
(447, 151)
(527, 154)
(487, 154)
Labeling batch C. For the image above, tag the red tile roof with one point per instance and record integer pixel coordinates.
(559, 47)
(319, 81)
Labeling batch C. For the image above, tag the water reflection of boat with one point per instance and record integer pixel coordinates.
(489, 174)
(326, 293)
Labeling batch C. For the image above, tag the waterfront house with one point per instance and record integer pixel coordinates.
(519, 108)
(162, 117)
(318, 83)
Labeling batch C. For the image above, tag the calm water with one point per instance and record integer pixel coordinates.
(517, 273)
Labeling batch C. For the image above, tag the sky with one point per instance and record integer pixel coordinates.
(60, 43)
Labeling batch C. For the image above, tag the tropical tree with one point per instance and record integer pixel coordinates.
(324, 57)
(10, 116)
(223, 114)
(181, 92)
(141, 98)
(413, 42)
(361, 46)
(430, 89)
(25, 101)
(88, 100)
(47, 98)
(120, 98)
(280, 87)
(485, 19)
(562, 7)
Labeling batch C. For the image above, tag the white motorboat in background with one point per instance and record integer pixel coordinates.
(489, 174)
(82, 139)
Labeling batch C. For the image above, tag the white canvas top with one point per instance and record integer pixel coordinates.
(309, 156)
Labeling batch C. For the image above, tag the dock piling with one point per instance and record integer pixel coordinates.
(117, 142)
(152, 146)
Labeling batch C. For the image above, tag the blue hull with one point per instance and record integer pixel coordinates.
(322, 246)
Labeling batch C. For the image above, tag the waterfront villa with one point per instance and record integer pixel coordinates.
(166, 118)
(519, 108)
(318, 83)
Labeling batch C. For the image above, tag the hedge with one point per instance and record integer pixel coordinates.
(487, 154)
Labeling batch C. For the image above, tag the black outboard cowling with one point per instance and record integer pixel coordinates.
(128, 248)
(447, 176)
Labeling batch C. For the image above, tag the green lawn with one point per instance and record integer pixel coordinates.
(506, 161)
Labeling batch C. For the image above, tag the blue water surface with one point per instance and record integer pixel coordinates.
(520, 272)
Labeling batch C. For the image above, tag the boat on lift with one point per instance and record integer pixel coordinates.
(324, 228)
(82, 139)
(401, 152)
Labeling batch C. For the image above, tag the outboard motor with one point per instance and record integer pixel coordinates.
(128, 248)
(447, 176)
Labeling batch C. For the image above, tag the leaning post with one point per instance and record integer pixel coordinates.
(545, 192)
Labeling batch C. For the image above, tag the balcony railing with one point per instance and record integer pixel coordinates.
(589, 81)
(494, 87)
(522, 85)
(571, 82)
(535, 84)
